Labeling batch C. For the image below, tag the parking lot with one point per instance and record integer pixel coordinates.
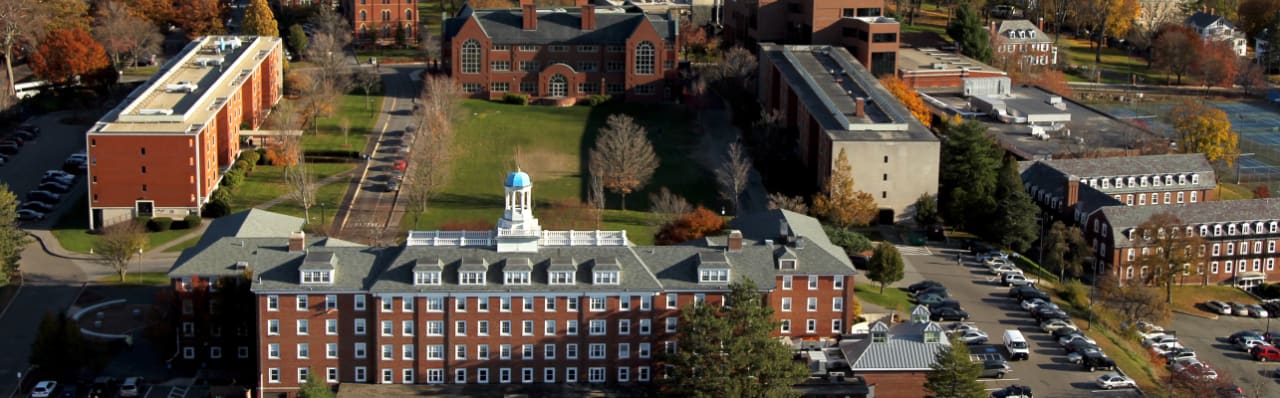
(1208, 338)
(25, 169)
(1047, 372)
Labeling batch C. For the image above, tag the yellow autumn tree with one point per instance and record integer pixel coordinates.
(909, 98)
(259, 20)
(839, 203)
(1205, 130)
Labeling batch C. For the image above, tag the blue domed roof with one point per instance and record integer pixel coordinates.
(517, 179)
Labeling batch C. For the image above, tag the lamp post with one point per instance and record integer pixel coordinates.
(322, 218)
(139, 264)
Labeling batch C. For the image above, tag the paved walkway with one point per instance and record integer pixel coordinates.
(718, 134)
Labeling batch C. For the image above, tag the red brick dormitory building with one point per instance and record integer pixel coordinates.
(516, 305)
(562, 55)
(857, 25)
(162, 151)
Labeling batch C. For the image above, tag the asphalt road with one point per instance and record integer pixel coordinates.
(1047, 372)
(373, 207)
(1208, 337)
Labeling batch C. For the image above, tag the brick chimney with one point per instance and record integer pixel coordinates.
(1072, 192)
(1041, 24)
(735, 241)
(530, 14)
(297, 241)
(588, 17)
(861, 107)
(1212, 11)
(993, 29)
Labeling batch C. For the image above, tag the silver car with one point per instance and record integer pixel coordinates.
(1218, 307)
(1256, 311)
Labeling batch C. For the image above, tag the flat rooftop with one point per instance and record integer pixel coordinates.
(190, 88)
(829, 82)
(1090, 131)
(932, 58)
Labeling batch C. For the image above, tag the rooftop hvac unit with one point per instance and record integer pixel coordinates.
(939, 65)
(155, 112)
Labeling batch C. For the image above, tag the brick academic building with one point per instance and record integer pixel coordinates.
(516, 305)
(164, 149)
(561, 55)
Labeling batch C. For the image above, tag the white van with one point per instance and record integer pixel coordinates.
(1016, 344)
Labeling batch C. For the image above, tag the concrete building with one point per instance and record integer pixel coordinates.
(857, 25)
(516, 305)
(1022, 45)
(1215, 28)
(560, 56)
(163, 150)
(380, 21)
(930, 67)
(831, 104)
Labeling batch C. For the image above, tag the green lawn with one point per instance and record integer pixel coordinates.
(1229, 191)
(1080, 53)
(72, 230)
(893, 299)
(137, 279)
(267, 183)
(352, 107)
(184, 245)
(552, 143)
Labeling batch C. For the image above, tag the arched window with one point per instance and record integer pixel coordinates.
(386, 15)
(558, 86)
(408, 15)
(364, 16)
(471, 57)
(644, 58)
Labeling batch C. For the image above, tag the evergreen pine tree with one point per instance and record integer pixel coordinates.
(968, 31)
(953, 374)
(970, 162)
(259, 20)
(1013, 223)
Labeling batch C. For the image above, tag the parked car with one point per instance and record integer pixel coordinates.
(1003, 268)
(29, 128)
(1115, 380)
(1273, 308)
(1237, 336)
(1033, 303)
(1078, 356)
(1160, 339)
(1017, 280)
(1165, 348)
(1179, 354)
(1014, 391)
(1029, 292)
(37, 206)
(995, 369)
(1148, 327)
(58, 173)
(1256, 311)
(1198, 370)
(1097, 360)
(44, 389)
(43, 196)
(400, 164)
(1077, 336)
(958, 327)
(1079, 346)
(1055, 324)
(933, 290)
(54, 186)
(1238, 309)
(921, 285)
(948, 314)
(1218, 307)
(9, 149)
(26, 136)
(29, 215)
(130, 387)
(1247, 343)
(973, 336)
(1042, 315)
(1263, 353)
(1181, 363)
(931, 298)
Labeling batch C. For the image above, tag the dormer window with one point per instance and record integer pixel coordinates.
(787, 265)
(1195, 178)
(562, 271)
(515, 278)
(1155, 181)
(1106, 183)
(424, 278)
(713, 276)
(1119, 182)
(1168, 180)
(1257, 227)
(1272, 226)
(1143, 182)
(1204, 230)
(1217, 230)
(315, 277)
(1182, 180)
(932, 336)
(605, 277)
(561, 278)
(1133, 182)
(472, 271)
(1246, 229)
(471, 278)
(1231, 229)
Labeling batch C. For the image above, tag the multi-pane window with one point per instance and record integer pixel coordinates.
(504, 351)
(500, 66)
(549, 351)
(571, 351)
(786, 304)
(505, 306)
(549, 304)
(435, 328)
(624, 303)
(435, 352)
(645, 326)
(526, 328)
(460, 351)
(515, 277)
(588, 49)
(614, 49)
(624, 351)
(587, 66)
(500, 87)
(360, 350)
(273, 351)
(482, 328)
(471, 277)
(549, 327)
(526, 351)
(388, 352)
(500, 47)
(646, 89)
(835, 326)
(571, 327)
(527, 303)
(273, 303)
(360, 302)
(387, 304)
(597, 327)
(460, 328)
(624, 326)
(562, 277)
(596, 351)
(597, 304)
(387, 328)
(273, 327)
(672, 299)
(406, 328)
(837, 304)
(304, 327)
(614, 66)
(530, 88)
(482, 351)
(302, 302)
(504, 328)
(528, 47)
(528, 66)
(471, 57)
(572, 303)
(646, 303)
(813, 282)
(482, 304)
(558, 48)
(786, 282)
(644, 58)
(435, 304)
(606, 277)
(406, 351)
(330, 302)
(812, 304)
(331, 327)
(644, 350)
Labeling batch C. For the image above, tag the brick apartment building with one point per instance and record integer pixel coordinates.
(163, 150)
(1022, 45)
(830, 103)
(517, 305)
(1110, 197)
(857, 25)
(378, 21)
(932, 68)
(563, 55)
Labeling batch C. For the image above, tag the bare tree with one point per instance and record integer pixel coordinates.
(595, 195)
(733, 175)
(624, 156)
(345, 125)
(367, 80)
(429, 43)
(327, 49)
(668, 206)
(1134, 301)
(117, 244)
(298, 178)
(124, 35)
(778, 200)
(431, 148)
(1167, 250)
(18, 21)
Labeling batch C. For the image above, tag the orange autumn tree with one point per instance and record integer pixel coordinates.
(839, 203)
(200, 17)
(66, 53)
(695, 225)
(909, 98)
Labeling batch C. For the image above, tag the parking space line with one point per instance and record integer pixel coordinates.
(998, 380)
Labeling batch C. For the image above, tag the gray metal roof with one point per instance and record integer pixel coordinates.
(1147, 165)
(252, 223)
(398, 277)
(1121, 218)
(507, 26)
(905, 348)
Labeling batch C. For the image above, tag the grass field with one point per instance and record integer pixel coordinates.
(352, 107)
(551, 144)
(137, 279)
(1229, 191)
(1080, 52)
(184, 245)
(1185, 298)
(72, 230)
(893, 299)
(267, 183)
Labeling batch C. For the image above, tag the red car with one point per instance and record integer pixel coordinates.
(1265, 353)
(400, 165)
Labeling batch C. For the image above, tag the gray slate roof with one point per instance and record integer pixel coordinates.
(1138, 166)
(781, 225)
(507, 26)
(904, 350)
(398, 277)
(1203, 20)
(252, 223)
(1020, 25)
(1121, 218)
(274, 267)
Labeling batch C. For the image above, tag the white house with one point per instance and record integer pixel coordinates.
(1216, 28)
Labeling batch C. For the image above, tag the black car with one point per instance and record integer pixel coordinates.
(36, 206)
(937, 290)
(1063, 332)
(25, 135)
(43, 196)
(1014, 391)
(1078, 345)
(1235, 338)
(1273, 308)
(948, 303)
(1051, 314)
(922, 285)
(9, 149)
(29, 128)
(1097, 360)
(1017, 291)
(54, 187)
(948, 314)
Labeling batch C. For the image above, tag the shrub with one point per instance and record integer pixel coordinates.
(143, 221)
(192, 221)
(1268, 290)
(852, 242)
(160, 224)
(217, 208)
(241, 166)
(515, 98)
(223, 195)
(233, 179)
(1075, 293)
(695, 225)
(598, 99)
(254, 156)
